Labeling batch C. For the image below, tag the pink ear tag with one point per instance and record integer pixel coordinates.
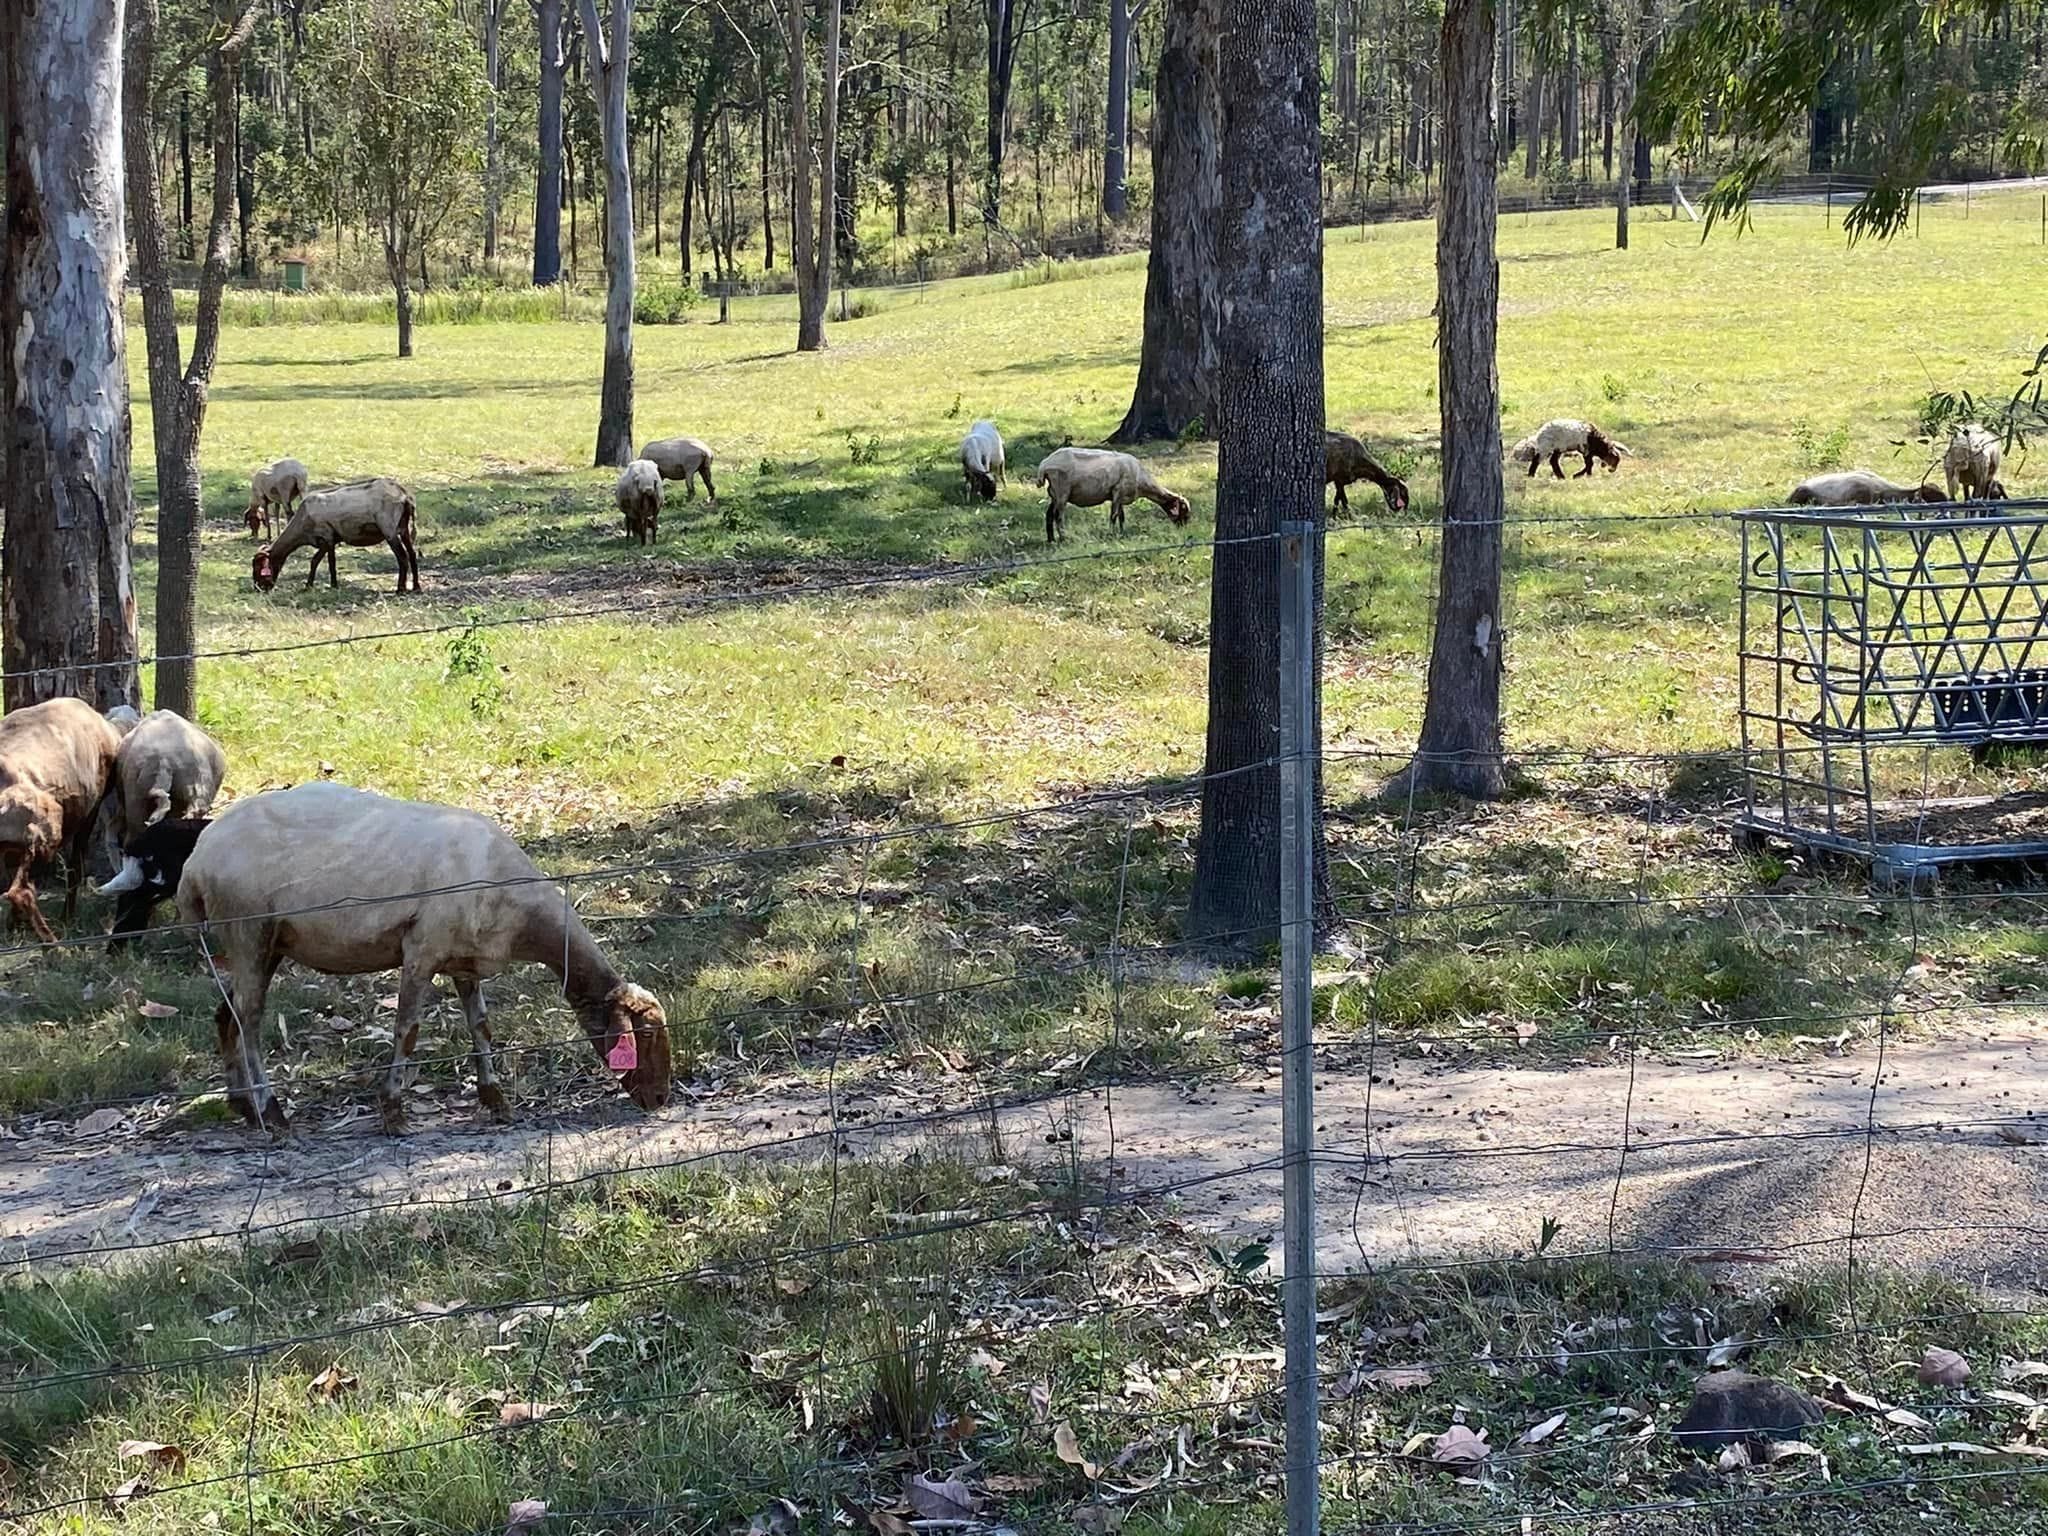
(625, 1055)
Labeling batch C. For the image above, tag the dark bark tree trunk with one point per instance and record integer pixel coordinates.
(610, 60)
(693, 170)
(1460, 747)
(1177, 358)
(811, 229)
(177, 393)
(395, 258)
(1607, 115)
(185, 173)
(1006, 22)
(1270, 450)
(66, 591)
(767, 198)
(547, 191)
(1568, 105)
(899, 174)
(1116, 135)
(654, 150)
(1532, 113)
(1624, 104)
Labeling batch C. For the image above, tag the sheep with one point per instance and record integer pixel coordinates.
(683, 458)
(1857, 488)
(360, 514)
(639, 494)
(1973, 460)
(1567, 436)
(158, 853)
(56, 764)
(1087, 477)
(167, 767)
(280, 485)
(981, 460)
(1346, 459)
(347, 883)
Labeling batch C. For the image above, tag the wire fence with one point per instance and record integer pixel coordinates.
(968, 1211)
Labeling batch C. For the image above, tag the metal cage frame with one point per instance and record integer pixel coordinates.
(1869, 629)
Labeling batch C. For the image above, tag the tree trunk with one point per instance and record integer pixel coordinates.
(655, 147)
(1005, 26)
(547, 191)
(1116, 128)
(1568, 105)
(1270, 458)
(900, 173)
(1177, 359)
(1532, 113)
(494, 22)
(1460, 748)
(177, 396)
(396, 255)
(811, 231)
(1624, 104)
(693, 169)
(610, 60)
(185, 173)
(245, 190)
(66, 590)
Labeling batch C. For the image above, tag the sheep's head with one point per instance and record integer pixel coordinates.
(983, 482)
(253, 517)
(263, 569)
(635, 1044)
(31, 822)
(123, 718)
(1996, 491)
(1396, 492)
(1929, 494)
(1177, 509)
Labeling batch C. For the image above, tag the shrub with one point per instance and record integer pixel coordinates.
(663, 303)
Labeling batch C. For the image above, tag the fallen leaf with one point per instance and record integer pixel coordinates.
(1839, 1391)
(1012, 1482)
(2012, 1399)
(1906, 1418)
(1733, 1458)
(121, 1495)
(883, 1522)
(1943, 1368)
(791, 1285)
(598, 1343)
(524, 1515)
(1069, 1450)
(224, 1315)
(1725, 1352)
(933, 1500)
(99, 1122)
(170, 1457)
(1397, 1378)
(780, 1518)
(152, 1010)
(1039, 1396)
(1949, 1448)
(526, 1413)
(2033, 1452)
(1543, 1431)
(1460, 1446)
(332, 1382)
(2013, 1372)
(1790, 1450)
(981, 1360)
(1098, 1519)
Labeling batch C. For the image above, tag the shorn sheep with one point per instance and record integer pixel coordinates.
(1973, 460)
(348, 883)
(167, 768)
(684, 459)
(56, 764)
(361, 514)
(1347, 460)
(278, 487)
(1857, 488)
(1087, 477)
(1562, 436)
(981, 460)
(639, 494)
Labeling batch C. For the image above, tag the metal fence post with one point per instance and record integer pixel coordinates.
(1298, 549)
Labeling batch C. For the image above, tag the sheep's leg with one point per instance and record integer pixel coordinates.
(1055, 515)
(1556, 468)
(1116, 513)
(333, 572)
(1342, 503)
(21, 899)
(241, 1050)
(488, 1093)
(412, 555)
(398, 553)
(1587, 455)
(413, 985)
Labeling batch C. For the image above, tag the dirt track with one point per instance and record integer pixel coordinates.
(1766, 1158)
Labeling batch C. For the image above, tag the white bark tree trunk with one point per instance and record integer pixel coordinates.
(66, 593)
(610, 59)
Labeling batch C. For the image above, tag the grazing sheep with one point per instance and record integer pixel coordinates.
(1346, 459)
(279, 486)
(56, 764)
(347, 883)
(158, 854)
(639, 493)
(361, 514)
(981, 460)
(1973, 460)
(1857, 488)
(1087, 477)
(167, 766)
(683, 458)
(1566, 436)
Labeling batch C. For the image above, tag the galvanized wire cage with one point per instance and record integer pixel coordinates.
(1871, 637)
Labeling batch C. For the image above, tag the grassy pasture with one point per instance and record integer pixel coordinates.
(679, 733)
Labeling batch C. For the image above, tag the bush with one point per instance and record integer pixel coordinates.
(664, 303)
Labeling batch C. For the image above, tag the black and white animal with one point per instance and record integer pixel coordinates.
(981, 460)
(157, 855)
(1567, 436)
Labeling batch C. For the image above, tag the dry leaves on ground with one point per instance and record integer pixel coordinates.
(524, 1515)
(1460, 1446)
(1069, 1449)
(1943, 1368)
(933, 1499)
(170, 1457)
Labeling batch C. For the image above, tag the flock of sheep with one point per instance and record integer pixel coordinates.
(348, 883)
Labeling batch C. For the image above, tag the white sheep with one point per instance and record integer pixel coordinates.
(361, 514)
(167, 766)
(56, 763)
(683, 458)
(1857, 488)
(639, 497)
(277, 486)
(1973, 460)
(1087, 477)
(348, 883)
(1568, 436)
(981, 460)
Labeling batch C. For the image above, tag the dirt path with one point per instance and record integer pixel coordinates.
(1766, 1158)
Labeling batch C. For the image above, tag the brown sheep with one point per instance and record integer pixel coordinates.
(56, 766)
